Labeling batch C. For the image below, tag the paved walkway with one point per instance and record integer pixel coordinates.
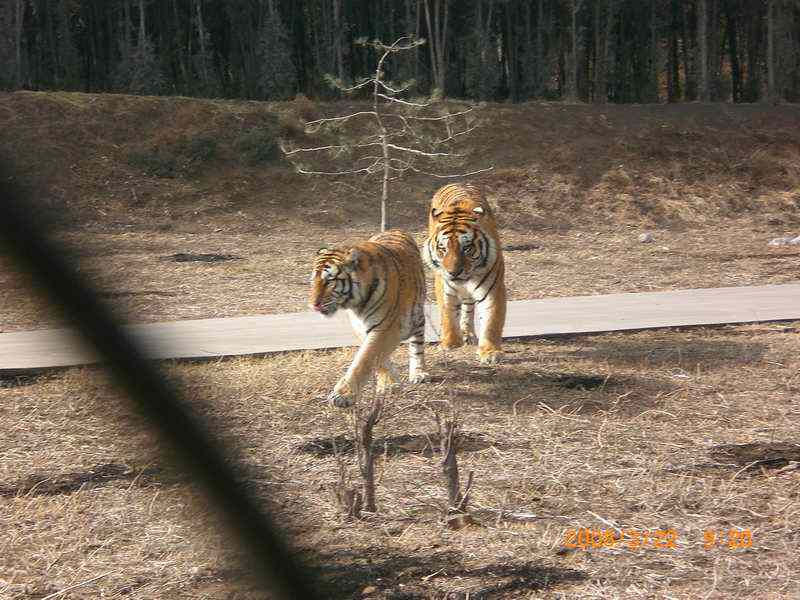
(206, 338)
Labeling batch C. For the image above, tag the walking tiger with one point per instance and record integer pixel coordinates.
(463, 250)
(381, 283)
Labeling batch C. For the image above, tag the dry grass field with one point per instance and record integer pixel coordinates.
(686, 431)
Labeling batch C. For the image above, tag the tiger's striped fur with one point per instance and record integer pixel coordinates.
(381, 283)
(463, 250)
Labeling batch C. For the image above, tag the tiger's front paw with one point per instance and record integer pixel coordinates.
(490, 356)
(419, 377)
(342, 395)
(470, 338)
(340, 401)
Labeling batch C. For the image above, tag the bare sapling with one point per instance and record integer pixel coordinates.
(450, 437)
(364, 417)
(364, 420)
(348, 497)
(390, 138)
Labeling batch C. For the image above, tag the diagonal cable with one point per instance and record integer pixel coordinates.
(280, 571)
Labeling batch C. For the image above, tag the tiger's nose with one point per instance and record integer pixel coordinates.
(456, 272)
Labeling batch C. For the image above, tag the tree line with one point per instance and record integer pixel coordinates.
(494, 50)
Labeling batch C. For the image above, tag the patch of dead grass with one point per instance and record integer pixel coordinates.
(607, 432)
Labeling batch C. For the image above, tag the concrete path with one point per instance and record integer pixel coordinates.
(205, 338)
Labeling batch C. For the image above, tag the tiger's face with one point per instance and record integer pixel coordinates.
(333, 280)
(458, 249)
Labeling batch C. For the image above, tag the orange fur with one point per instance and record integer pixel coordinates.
(463, 249)
(381, 282)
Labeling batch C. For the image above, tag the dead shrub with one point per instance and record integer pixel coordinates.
(771, 171)
(182, 157)
(617, 178)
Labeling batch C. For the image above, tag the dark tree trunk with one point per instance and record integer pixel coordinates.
(702, 46)
(19, 16)
(673, 61)
(733, 51)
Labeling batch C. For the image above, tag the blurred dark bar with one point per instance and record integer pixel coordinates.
(205, 458)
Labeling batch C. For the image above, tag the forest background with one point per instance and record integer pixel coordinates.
(494, 50)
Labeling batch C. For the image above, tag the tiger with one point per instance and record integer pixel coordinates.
(381, 283)
(463, 251)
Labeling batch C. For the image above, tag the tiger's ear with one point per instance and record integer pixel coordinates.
(322, 250)
(435, 212)
(478, 209)
(352, 260)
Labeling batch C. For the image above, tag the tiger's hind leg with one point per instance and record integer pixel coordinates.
(448, 309)
(468, 323)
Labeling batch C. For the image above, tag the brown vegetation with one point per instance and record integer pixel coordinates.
(691, 430)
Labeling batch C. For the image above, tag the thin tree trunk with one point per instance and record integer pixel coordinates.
(432, 45)
(654, 55)
(529, 69)
(573, 62)
(443, 46)
(702, 44)
(733, 50)
(771, 88)
(673, 61)
(178, 43)
(610, 48)
(337, 38)
(540, 58)
(437, 29)
(714, 49)
(511, 53)
(201, 34)
(689, 55)
(601, 34)
(418, 23)
(142, 25)
(384, 150)
(19, 15)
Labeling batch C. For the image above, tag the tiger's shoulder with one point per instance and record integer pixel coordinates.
(461, 204)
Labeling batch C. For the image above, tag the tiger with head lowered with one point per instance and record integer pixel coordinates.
(381, 283)
(463, 250)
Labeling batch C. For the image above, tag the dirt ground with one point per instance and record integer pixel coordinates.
(692, 431)
(678, 447)
(137, 272)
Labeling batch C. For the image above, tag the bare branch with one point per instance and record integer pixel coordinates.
(454, 176)
(342, 118)
(358, 86)
(452, 136)
(399, 101)
(366, 170)
(390, 89)
(317, 149)
(442, 117)
(420, 152)
(395, 47)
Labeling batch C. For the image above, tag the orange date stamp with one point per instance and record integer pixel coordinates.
(627, 538)
(732, 539)
(660, 539)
